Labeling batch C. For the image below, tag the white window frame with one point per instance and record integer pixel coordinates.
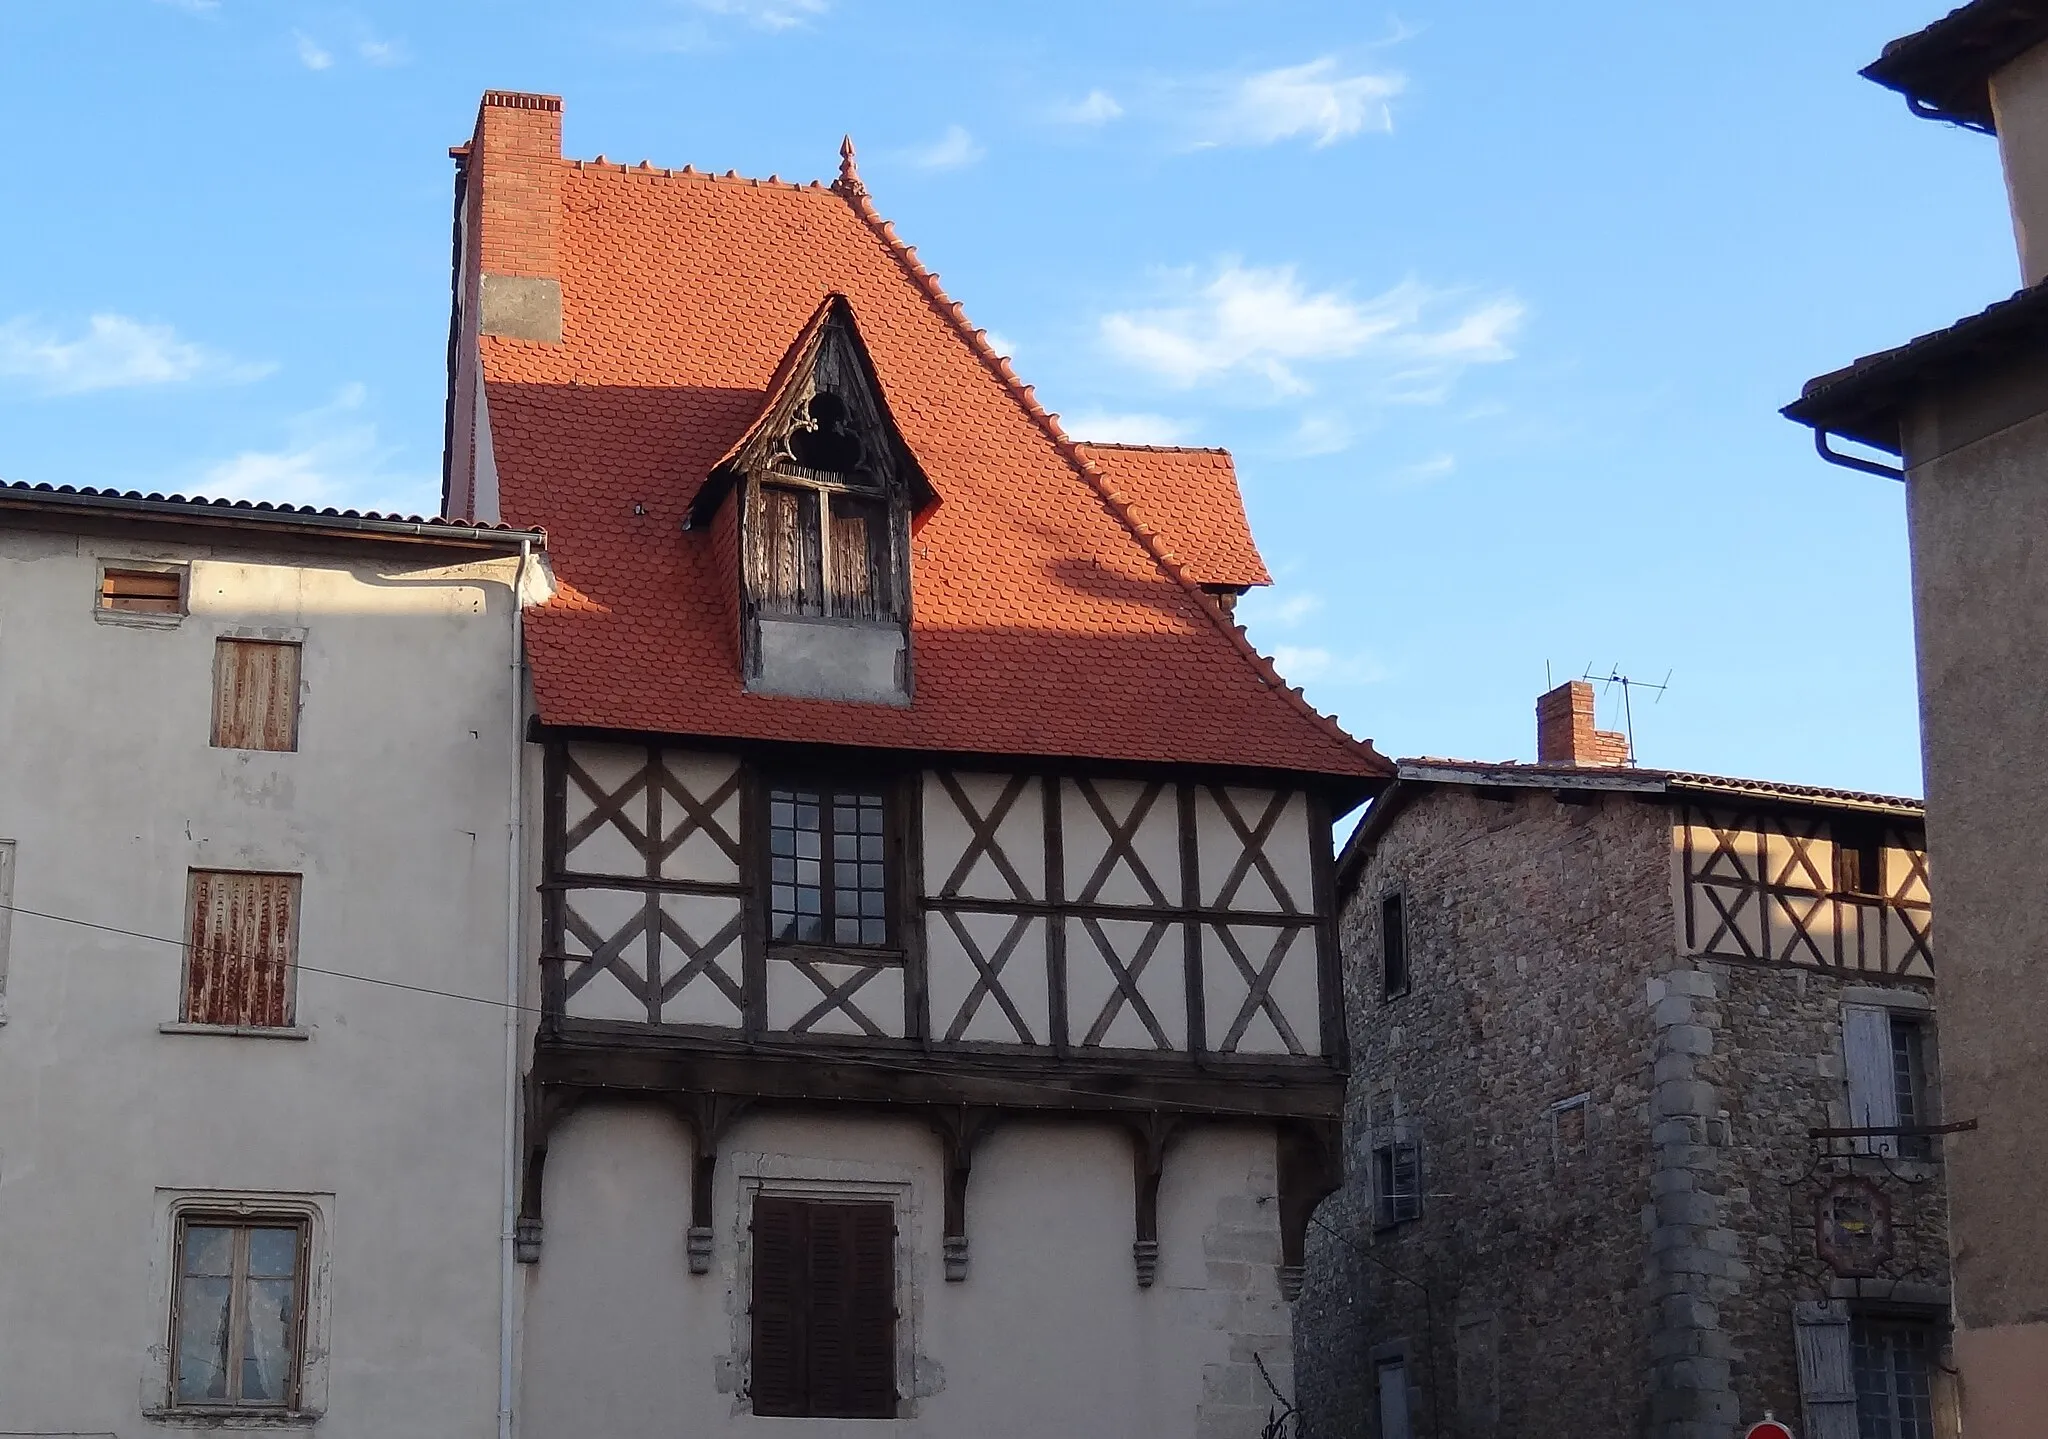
(843, 1181)
(316, 1212)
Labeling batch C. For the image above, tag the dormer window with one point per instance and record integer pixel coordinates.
(826, 489)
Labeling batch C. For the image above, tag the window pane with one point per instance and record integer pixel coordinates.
(202, 1356)
(210, 1250)
(267, 1339)
(273, 1253)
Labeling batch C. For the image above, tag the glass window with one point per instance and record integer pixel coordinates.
(827, 867)
(236, 1313)
(1894, 1362)
(1909, 1084)
(1397, 1182)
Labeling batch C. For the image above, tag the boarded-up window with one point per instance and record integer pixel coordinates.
(788, 567)
(236, 1314)
(824, 1309)
(141, 591)
(244, 937)
(255, 695)
(860, 558)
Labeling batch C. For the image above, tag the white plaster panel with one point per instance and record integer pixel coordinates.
(1092, 987)
(703, 1000)
(952, 978)
(1293, 991)
(1020, 837)
(608, 849)
(602, 995)
(1156, 841)
(1288, 849)
(792, 995)
(701, 856)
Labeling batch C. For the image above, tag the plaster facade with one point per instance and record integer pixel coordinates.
(1617, 1182)
(378, 1115)
(1978, 515)
(1048, 1335)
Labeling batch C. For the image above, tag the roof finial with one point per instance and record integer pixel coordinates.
(848, 182)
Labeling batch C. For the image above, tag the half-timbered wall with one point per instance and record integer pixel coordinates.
(1114, 914)
(1035, 911)
(1768, 887)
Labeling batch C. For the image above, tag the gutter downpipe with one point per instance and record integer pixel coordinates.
(509, 1198)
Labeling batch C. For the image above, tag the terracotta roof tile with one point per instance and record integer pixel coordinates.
(1049, 619)
(1191, 497)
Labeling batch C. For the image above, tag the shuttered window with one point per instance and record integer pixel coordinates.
(824, 1309)
(1397, 1180)
(255, 695)
(142, 591)
(1827, 1381)
(244, 937)
(822, 552)
(860, 558)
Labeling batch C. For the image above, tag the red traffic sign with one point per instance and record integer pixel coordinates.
(1767, 1429)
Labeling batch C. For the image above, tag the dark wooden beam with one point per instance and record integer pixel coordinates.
(1311, 1166)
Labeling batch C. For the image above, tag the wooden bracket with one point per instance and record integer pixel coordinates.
(959, 1129)
(709, 1116)
(1150, 1135)
(1311, 1166)
(547, 1106)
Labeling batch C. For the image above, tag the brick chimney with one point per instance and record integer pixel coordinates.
(514, 167)
(1565, 733)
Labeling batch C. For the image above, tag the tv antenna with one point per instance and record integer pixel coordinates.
(1613, 677)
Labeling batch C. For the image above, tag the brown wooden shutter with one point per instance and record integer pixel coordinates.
(244, 930)
(255, 695)
(859, 566)
(824, 1309)
(779, 1293)
(786, 551)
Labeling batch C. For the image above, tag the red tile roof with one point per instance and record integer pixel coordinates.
(1048, 619)
(1190, 496)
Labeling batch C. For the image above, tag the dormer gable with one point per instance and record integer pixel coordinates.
(824, 490)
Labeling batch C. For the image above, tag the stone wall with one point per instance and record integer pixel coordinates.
(1532, 924)
(1619, 1180)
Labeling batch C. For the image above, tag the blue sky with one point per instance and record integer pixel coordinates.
(1494, 302)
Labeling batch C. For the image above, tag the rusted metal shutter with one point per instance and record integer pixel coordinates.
(238, 969)
(824, 1309)
(255, 695)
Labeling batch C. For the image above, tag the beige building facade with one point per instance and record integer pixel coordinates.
(256, 816)
(1965, 410)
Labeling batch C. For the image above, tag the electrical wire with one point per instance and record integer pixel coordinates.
(859, 1060)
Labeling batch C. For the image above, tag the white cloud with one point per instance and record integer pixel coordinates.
(951, 151)
(1316, 100)
(114, 353)
(1292, 610)
(1127, 428)
(1305, 664)
(1264, 322)
(1097, 107)
(332, 456)
(1001, 344)
(311, 54)
(382, 53)
(768, 14)
(192, 7)
(1423, 472)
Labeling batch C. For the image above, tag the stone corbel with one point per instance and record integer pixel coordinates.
(1310, 1169)
(1150, 1135)
(546, 1107)
(709, 1116)
(959, 1130)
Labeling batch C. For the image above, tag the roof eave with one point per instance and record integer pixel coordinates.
(242, 515)
(1944, 71)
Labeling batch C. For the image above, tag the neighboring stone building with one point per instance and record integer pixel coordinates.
(1599, 1017)
(257, 838)
(1966, 410)
(935, 943)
